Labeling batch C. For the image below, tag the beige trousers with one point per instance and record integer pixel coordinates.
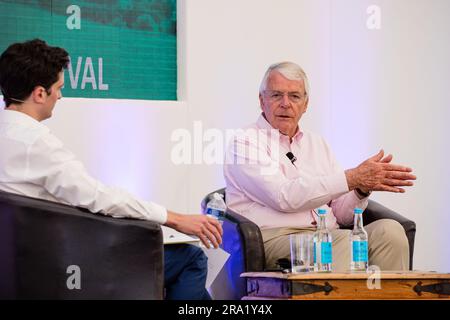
(388, 245)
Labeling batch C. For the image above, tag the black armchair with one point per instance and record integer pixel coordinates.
(243, 240)
(39, 240)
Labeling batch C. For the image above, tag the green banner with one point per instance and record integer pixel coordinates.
(118, 49)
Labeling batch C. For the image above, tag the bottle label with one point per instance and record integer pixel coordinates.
(323, 251)
(326, 255)
(315, 252)
(360, 251)
(215, 213)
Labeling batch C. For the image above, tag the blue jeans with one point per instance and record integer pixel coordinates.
(185, 271)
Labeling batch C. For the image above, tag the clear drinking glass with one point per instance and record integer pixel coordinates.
(302, 255)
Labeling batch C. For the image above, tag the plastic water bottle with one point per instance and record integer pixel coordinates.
(323, 256)
(216, 207)
(359, 245)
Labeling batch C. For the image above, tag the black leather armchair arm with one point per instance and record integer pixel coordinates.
(243, 241)
(251, 242)
(39, 240)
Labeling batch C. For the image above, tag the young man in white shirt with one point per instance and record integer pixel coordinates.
(34, 163)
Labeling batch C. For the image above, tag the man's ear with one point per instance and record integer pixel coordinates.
(39, 94)
(261, 102)
(306, 104)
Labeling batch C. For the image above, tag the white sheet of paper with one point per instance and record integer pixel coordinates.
(171, 236)
(216, 257)
(216, 261)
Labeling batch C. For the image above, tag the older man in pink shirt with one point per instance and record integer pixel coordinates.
(277, 174)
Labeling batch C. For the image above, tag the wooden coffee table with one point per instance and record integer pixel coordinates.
(364, 286)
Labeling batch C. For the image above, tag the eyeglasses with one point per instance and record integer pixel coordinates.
(276, 96)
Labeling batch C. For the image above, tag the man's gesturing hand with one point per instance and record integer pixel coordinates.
(379, 174)
(206, 228)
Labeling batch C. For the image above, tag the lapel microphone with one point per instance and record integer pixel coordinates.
(291, 157)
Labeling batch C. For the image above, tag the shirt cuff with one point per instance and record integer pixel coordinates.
(359, 203)
(157, 213)
(361, 195)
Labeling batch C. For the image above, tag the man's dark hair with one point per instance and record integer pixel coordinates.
(23, 66)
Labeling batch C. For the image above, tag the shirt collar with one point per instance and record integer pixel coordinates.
(262, 123)
(12, 116)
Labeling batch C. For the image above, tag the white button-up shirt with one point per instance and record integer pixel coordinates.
(34, 163)
(267, 188)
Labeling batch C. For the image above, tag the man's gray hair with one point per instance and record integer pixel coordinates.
(289, 70)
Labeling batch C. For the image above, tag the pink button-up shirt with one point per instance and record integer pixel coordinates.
(266, 187)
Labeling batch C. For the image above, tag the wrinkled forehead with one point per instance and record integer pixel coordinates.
(277, 81)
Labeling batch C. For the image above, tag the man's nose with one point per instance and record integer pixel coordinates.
(285, 102)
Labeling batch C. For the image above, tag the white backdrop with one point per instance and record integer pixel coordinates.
(370, 89)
